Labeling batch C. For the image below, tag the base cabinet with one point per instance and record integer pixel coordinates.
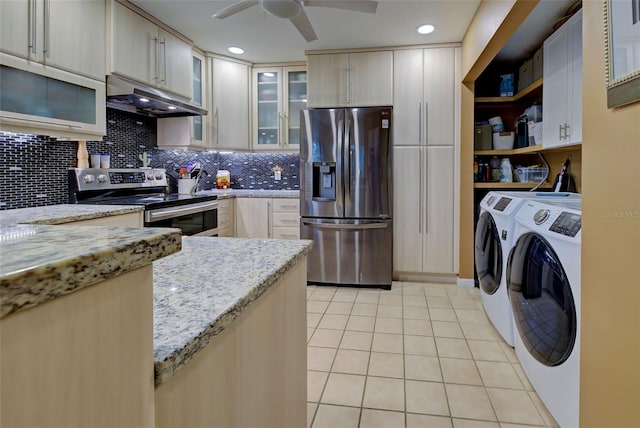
(423, 235)
(268, 218)
(226, 218)
(253, 374)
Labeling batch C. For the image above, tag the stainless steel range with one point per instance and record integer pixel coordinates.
(193, 214)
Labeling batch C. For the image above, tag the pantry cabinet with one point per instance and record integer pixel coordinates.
(39, 30)
(350, 79)
(424, 91)
(424, 195)
(147, 53)
(562, 91)
(280, 93)
(228, 118)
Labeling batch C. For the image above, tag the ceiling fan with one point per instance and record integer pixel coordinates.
(294, 10)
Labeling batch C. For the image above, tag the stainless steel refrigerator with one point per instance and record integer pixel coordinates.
(346, 195)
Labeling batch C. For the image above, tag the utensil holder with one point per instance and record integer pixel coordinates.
(186, 185)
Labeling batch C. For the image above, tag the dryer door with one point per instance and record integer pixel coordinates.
(488, 254)
(544, 310)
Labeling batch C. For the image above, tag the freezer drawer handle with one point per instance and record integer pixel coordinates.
(346, 226)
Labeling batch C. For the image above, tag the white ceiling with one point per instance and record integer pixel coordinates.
(266, 38)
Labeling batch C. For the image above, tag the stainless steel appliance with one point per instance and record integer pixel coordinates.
(193, 214)
(346, 195)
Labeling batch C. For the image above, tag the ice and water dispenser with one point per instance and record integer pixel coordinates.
(324, 181)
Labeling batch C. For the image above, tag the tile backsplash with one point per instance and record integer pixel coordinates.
(33, 168)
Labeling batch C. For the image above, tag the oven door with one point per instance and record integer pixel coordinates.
(199, 219)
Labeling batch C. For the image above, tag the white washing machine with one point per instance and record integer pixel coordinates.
(543, 282)
(493, 242)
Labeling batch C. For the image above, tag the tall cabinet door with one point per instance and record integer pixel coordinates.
(408, 105)
(438, 206)
(408, 166)
(439, 96)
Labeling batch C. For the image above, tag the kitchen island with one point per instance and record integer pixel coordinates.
(224, 321)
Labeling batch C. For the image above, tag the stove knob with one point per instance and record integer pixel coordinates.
(150, 177)
(89, 178)
(102, 178)
(159, 176)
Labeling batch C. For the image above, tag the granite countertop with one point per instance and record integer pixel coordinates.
(251, 193)
(40, 262)
(64, 213)
(194, 300)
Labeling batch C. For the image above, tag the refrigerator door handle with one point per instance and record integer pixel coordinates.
(346, 177)
(319, 225)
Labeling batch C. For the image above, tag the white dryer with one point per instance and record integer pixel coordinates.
(493, 242)
(543, 282)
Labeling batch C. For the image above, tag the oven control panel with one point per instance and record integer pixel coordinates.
(103, 179)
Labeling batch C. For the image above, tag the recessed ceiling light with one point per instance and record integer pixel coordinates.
(426, 29)
(236, 50)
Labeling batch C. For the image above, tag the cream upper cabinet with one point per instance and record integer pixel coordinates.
(562, 89)
(228, 118)
(424, 91)
(142, 51)
(350, 79)
(423, 235)
(280, 93)
(40, 30)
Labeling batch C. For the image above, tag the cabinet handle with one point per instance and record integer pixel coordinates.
(420, 122)
(566, 134)
(269, 219)
(346, 84)
(426, 122)
(32, 26)
(164, 60)
(217, 128)
(426, 193)
(285, 129)
(285, 220)
(279, 129)
(559, 132)
(420, 191)
(154, 51)
(47, 27)
(295, 207)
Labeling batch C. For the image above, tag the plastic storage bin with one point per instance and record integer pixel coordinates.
(530, 175)
(503, 140)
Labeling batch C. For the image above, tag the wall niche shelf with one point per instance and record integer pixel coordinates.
(534, 90)
(494, 185)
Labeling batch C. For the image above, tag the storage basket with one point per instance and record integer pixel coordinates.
(530, 175)
(503, 140)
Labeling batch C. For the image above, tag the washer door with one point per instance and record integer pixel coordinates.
(488, 254)
(543, 307)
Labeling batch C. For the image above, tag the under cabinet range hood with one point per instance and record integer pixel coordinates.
(123, 94)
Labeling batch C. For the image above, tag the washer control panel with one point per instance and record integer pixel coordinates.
(568, 224)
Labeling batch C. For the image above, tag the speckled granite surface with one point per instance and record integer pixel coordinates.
(194, 300)
(247, 193)
(65, 213)
(39, 263)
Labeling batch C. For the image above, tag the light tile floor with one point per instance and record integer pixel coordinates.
(419, 355)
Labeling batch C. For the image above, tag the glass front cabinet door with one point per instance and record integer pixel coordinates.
(280, 95)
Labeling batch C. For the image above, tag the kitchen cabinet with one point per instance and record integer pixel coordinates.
(268, 218)
(425, 100)
(286, 218)
(228, 118)
(148, 53)
(39, 30)
(562, 92)
(186, 132)
(350, 79)
(280, 94)
(226, 218)
(253, 217)
(423, 235)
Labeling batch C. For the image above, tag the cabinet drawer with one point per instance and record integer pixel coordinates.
(286, 219)
(286, 233)
(286, 205)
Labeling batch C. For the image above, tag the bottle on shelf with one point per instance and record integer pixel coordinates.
(494, 163)
(506, 173)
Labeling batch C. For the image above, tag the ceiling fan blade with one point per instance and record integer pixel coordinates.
(235, 8)
(303, 25)
(368, 6)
